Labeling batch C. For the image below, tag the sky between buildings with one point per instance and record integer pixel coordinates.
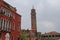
(48, 13)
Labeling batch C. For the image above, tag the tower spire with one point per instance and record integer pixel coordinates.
(33, 20)
(33, 7)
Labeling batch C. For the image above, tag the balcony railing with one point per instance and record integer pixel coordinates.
(5, 30)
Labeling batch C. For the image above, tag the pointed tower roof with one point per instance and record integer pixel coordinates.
(33, 9)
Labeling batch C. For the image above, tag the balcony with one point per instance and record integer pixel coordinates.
(5, 30)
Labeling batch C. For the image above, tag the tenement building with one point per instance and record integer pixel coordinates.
(51, 36)
(10, 22)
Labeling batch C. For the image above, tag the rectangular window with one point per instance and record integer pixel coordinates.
(13, 26)
(12, 38)
(7, 25)
(0, 24)
(0, 9)
(19, 19)
(0, 36)
(13, 16)
(18, 38)
(4, 24)
(7, 13)
(19, 27)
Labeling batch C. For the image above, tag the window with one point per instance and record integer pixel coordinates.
(8, 26)
(0, 10)
(0, 36)
(12, 38)
(0, 23)
(49, 35)
(59, 35)
(19, 19)
(13, 16)
(5, 12)
(52, 35)
(4, 24)
(5, 28)
(13, 26)
(18, 38)
(18, 27)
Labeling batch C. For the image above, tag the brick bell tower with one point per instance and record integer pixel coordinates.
(33, 20)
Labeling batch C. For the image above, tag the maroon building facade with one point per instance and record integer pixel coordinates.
(10, 22)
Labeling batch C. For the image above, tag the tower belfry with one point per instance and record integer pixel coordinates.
(33, 20)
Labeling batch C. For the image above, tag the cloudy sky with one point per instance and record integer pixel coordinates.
(48, 14)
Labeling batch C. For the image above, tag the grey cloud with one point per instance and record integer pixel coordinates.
(48, 12)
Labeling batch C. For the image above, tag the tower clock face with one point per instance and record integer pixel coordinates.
(33, 14)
